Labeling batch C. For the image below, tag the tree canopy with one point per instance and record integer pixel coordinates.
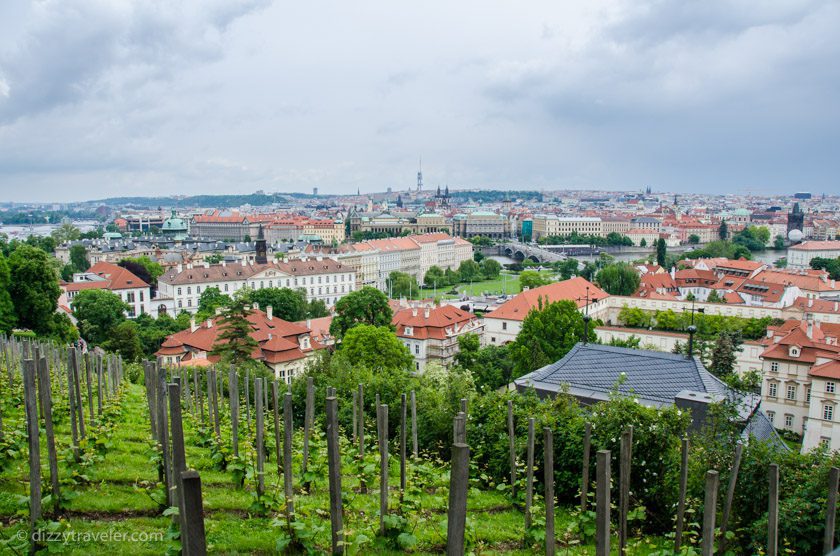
(490, 269)
(365, 306)
(98, 312)
(618, 279)
(532, 279)
(376, 347)
(234, 343)
(547, 334)
(33, 287)
(400, 284)
(7, 308)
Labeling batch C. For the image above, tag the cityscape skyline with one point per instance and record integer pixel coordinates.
(129, 98)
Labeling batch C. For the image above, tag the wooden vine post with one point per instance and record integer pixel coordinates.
(602, 503)
(334, 463)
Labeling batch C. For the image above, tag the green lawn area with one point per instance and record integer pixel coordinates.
(507, 283)
(117, 497)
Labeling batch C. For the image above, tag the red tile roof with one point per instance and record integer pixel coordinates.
(442, 321)
(277, 339)
(573, 289)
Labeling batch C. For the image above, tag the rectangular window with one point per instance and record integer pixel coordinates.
(771, 415)
(825, 443)
(791, 392)
(830, 387)
(828, 412)
(774, 367)
(417, 349)
(788, 420)
(179, 291)
(504, 326)
(141, 296)
(198, 289)
(771, 389)
(808, 395)
(189, 290)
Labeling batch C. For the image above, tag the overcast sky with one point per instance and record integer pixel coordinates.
(117, 97)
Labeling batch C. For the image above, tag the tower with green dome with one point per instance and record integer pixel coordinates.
(175, 227)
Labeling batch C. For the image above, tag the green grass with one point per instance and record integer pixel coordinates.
(114, 501)
(507, 283)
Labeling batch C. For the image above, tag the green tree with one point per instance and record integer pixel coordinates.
(547, 334)
(724, 355)
(33, 287)
(693, 239)
(365, 306)
(532, 279)
(214, 258)
(618, 279)
(285, 303)
(643, 243)
(234, 343)
(723, 230)
(400, 284)
(376, 347)
(144, 268)
(210, 300)
(98, 312)
(779, 243)
(661, 252)
(7, 308)
(66, 232)
(78, 258)
(566, 268)
(468, 346)
(452, 277)
(714, 297)
(490, 269)
(125, 340)
(316, 309)
(434, 277)
(469, 271)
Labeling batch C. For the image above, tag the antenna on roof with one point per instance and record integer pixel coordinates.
(586, 317)
(691, 330)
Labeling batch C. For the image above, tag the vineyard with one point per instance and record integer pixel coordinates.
(149, 460)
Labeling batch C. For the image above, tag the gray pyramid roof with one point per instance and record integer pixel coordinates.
(594, 370)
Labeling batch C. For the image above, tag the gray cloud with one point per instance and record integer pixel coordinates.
(136, 97)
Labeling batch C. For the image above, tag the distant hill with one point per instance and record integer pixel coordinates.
(217, 201)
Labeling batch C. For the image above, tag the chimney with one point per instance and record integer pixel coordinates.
(810, 330)
(180, 268)
(255, 306)
(189, 266)
(193, 327)
(209, 323)
(224, 263)
(414, 311)
(426, 312)
(269, 312)
(269, 336)
(309, 324)
(810, 302)
(835, 306)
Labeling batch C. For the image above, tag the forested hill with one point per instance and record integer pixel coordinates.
(220, 201)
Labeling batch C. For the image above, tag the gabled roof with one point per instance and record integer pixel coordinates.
(441, 319)
(277, 339)
(573, 289)
(114, 277)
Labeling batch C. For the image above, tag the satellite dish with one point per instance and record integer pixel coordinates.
(795, 235)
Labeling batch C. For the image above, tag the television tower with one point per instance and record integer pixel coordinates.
(420, 176)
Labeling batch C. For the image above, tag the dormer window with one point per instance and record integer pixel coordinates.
(794, 351)
(409, 331)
